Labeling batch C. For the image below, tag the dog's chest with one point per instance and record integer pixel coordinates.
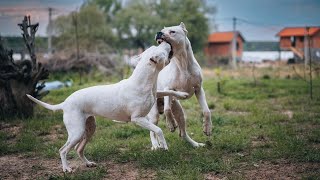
(185, 82)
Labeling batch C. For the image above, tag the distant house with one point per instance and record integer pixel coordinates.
(220, 45)
(295, 39)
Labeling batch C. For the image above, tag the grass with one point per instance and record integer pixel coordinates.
(250, 126)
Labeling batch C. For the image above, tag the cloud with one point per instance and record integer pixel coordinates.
(12, 12)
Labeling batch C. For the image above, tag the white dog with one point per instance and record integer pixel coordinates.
(182, 74)
(129, 100)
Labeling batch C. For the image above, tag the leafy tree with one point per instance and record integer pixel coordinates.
(134, 24)
(94, 34)
(137, 23)
(192, 13)
(140, 20)
(109, 7)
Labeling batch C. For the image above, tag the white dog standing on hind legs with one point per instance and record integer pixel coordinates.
(182, 74)
(129, 100)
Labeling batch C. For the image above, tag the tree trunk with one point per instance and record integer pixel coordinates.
(20, 78)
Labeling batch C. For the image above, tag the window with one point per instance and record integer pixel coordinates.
(293, 41)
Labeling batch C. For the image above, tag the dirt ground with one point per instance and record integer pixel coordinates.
(23, 167)
(270, 170)
(19, 166)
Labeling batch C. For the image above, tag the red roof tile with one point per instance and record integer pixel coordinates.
(297, 31)
(222, 36)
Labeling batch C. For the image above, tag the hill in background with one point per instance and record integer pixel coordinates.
(261, 46)
(17, 45)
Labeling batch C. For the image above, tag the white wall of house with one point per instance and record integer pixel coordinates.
(258, 56)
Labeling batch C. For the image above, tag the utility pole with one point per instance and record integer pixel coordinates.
(310, 63)
(306, 51)
(50, 32)
(75, 21)
(234, 44)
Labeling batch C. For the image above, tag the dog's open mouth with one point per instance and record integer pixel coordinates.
(159, 39)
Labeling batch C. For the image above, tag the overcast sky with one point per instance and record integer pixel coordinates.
(257, 19)
(262, 19)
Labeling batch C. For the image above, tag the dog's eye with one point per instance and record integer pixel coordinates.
(172, 32)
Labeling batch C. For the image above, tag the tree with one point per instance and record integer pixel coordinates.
(137, 23)
(192, 13)
(140, 20)
(133, 24)
(94, 34)
(19, 79)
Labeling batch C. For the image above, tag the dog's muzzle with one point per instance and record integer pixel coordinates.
(160, 38)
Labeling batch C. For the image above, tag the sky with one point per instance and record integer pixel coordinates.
(257, 20)
(262, 19)
(12, 12)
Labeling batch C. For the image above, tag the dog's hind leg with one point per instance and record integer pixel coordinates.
(179, 115)
(153, 117)
(207, 124)
(171, 124)
(90, 129)
(75, 125)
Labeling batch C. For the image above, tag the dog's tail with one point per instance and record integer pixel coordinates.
(48, 106)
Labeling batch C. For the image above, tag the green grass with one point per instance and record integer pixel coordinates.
(243, 114)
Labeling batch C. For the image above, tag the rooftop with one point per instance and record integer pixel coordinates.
(223, 36)
(297, 31)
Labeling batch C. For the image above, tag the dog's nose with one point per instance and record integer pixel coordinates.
(159, 37)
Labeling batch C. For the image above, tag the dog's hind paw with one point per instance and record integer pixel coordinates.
(207, 129)
(197, 145)
(154, 148)
(91, 164)
(68, 170)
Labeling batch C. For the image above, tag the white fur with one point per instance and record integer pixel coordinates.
(182, 74)
(129, 100)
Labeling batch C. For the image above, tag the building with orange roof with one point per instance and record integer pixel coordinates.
(295, 39)
(219, 45)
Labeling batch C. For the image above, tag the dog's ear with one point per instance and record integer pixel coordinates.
(183, 28)
(135, 60)
(154, 59)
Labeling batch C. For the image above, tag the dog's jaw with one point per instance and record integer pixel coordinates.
(161, 40)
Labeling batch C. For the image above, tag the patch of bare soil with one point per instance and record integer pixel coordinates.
(56, 132)
(214, 176)
(12, 130)
(281, 170)
(23, 167)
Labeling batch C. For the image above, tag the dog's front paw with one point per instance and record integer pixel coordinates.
(182, 95)
(91, 164)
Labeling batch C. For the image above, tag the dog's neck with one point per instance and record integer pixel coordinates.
(184, 56)
(145, 75)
